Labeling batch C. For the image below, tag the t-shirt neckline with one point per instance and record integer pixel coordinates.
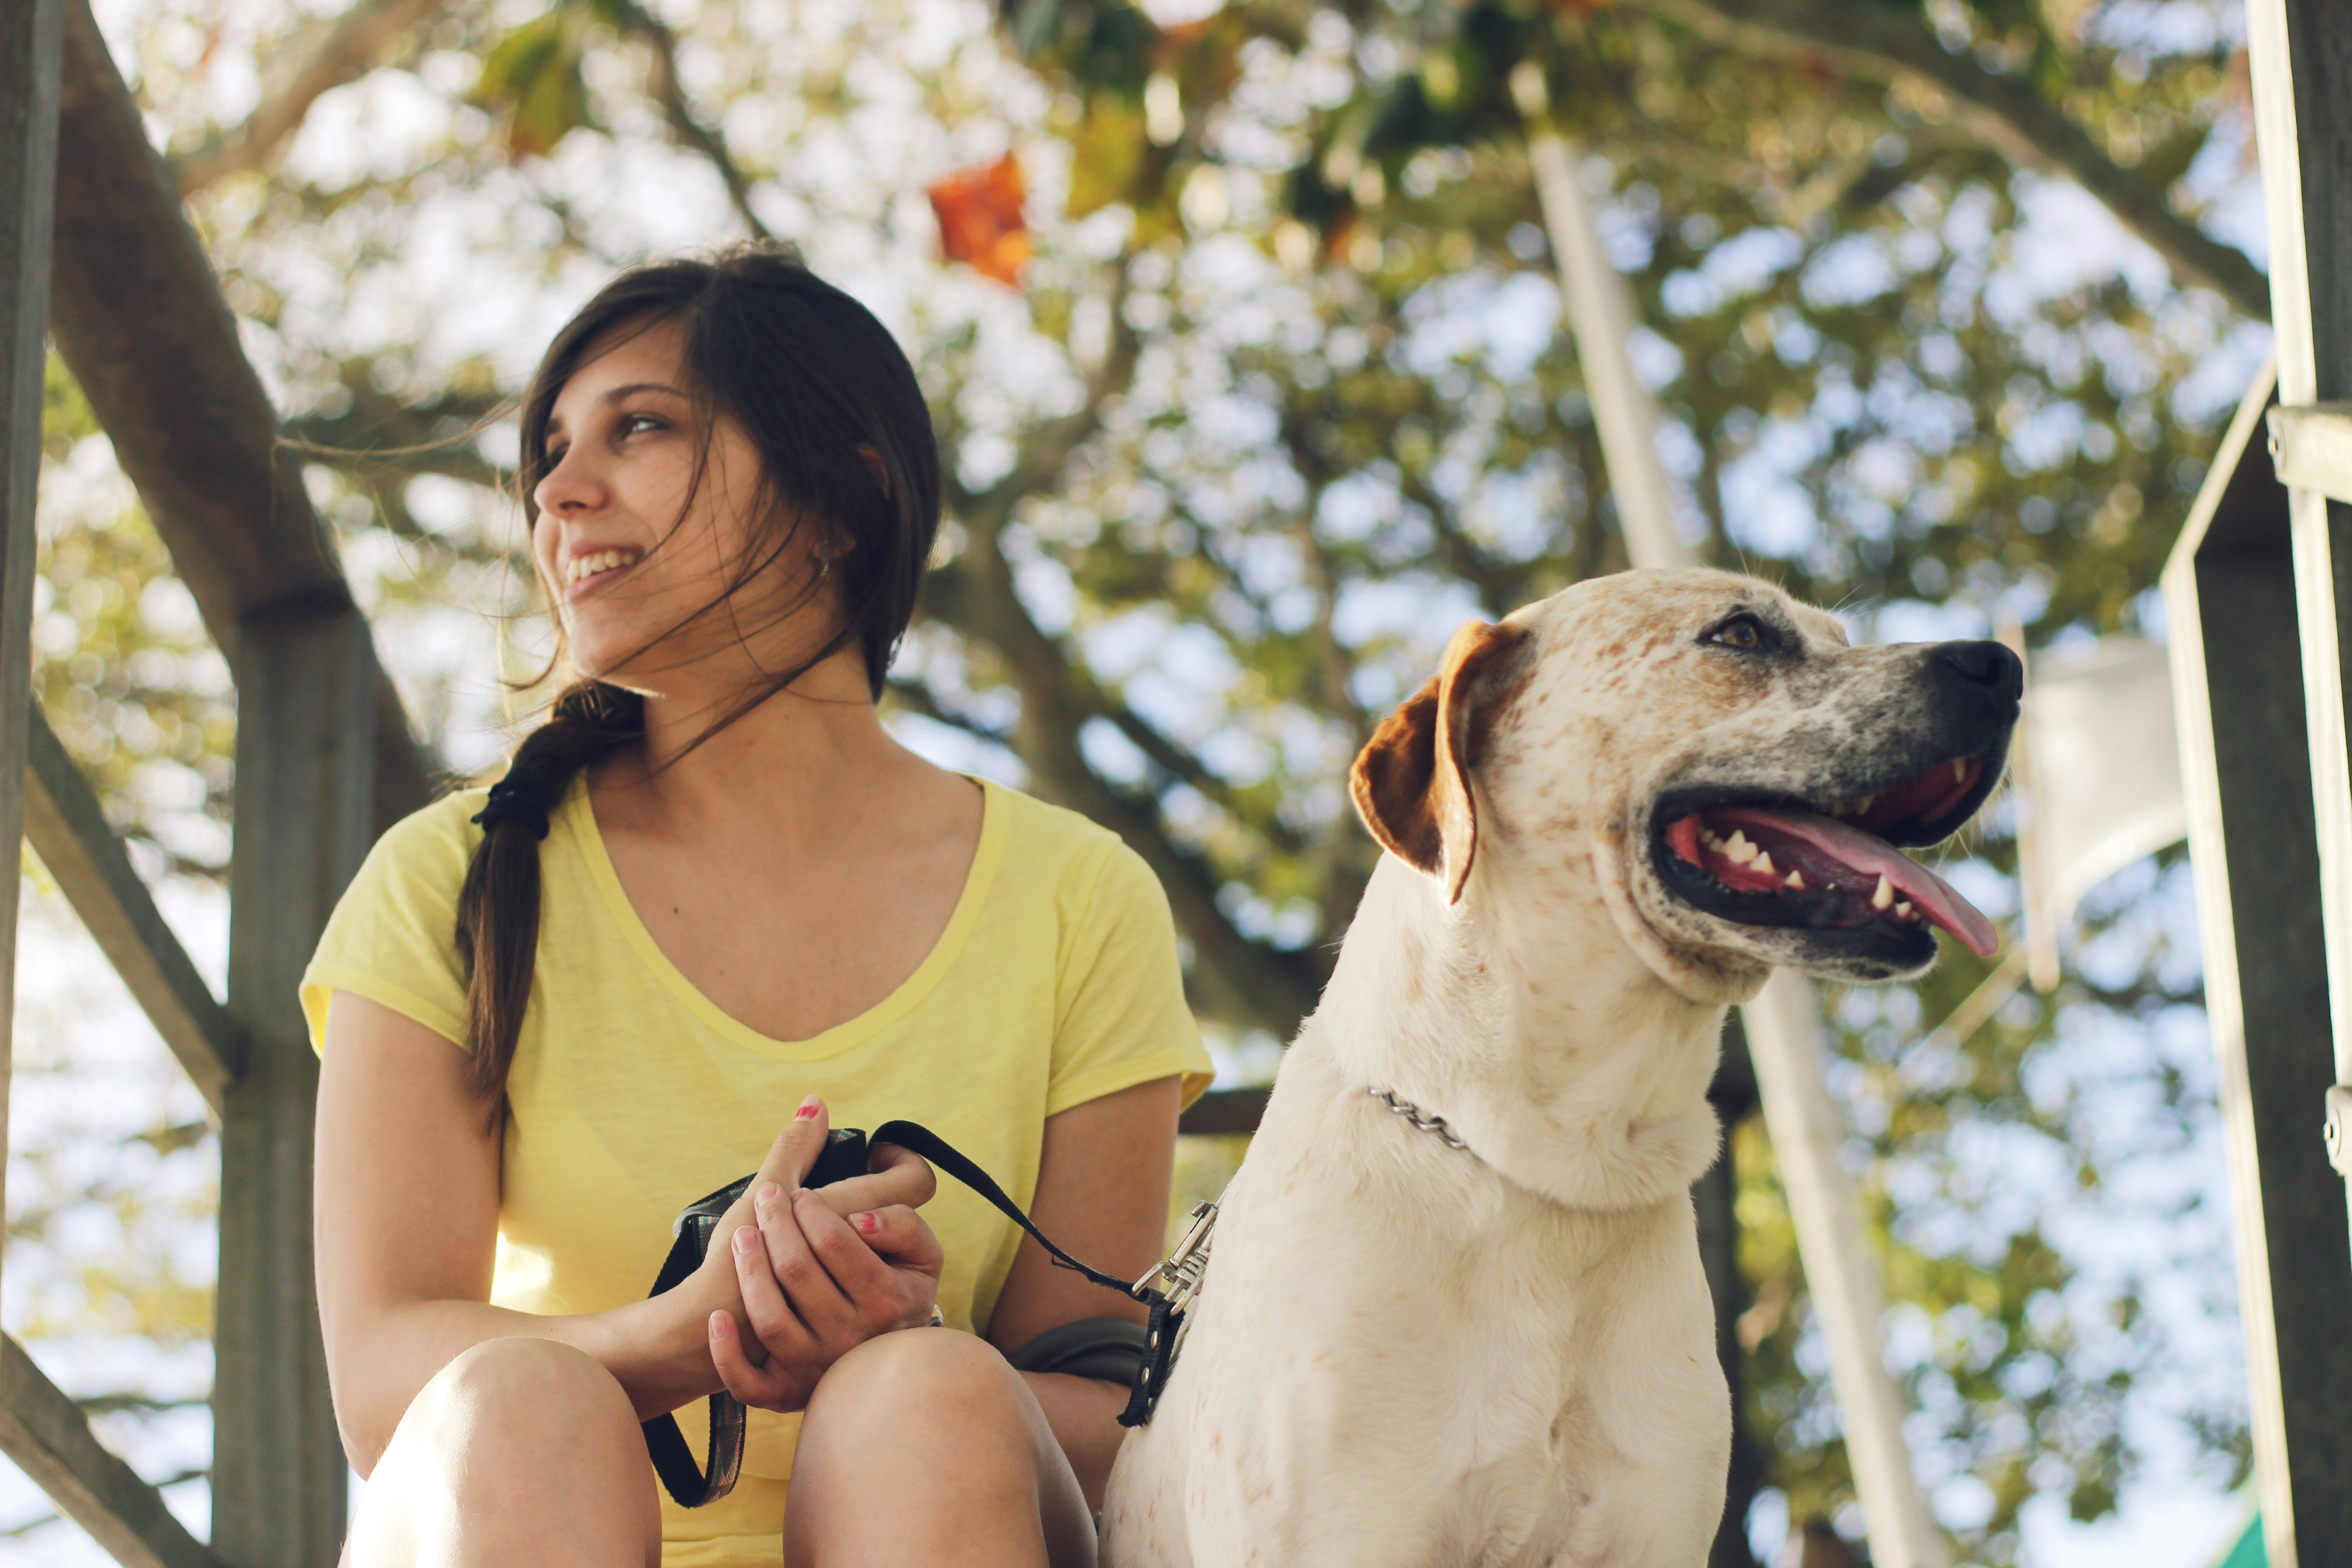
(579, 817)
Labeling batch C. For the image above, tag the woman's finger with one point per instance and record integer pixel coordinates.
(764, 1388)
(846, 1258)
(897, 1177)
(898, 1233)
(793, 1268)
(779, 1329)
(794, 1153)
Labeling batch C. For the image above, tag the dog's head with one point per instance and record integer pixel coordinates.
(1739, 780)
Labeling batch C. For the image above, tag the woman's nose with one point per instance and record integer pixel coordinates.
(571, 486)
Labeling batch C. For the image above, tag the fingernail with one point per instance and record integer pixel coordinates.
(809, 1108)
(767, 1193)
(869, 1223)
(746, 1239)
(720, 1325)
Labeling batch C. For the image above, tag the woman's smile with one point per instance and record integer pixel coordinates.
(586, 571)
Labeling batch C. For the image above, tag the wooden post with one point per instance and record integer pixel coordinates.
(30, 35)
(305, 763)
(2238, 686)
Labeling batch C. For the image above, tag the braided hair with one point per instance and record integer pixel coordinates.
(845, 438)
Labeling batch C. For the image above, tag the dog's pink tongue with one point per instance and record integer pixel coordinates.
(1871, 856)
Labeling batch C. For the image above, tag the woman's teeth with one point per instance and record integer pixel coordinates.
(579, 568)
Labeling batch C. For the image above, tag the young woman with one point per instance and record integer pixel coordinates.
(712, 899)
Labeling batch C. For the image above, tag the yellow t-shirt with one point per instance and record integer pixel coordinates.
(1056, 981)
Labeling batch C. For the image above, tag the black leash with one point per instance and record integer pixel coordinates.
(1167, 1291)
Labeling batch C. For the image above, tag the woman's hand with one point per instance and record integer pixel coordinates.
(818, 1272)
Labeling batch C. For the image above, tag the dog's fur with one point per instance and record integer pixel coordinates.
(1411, 1355)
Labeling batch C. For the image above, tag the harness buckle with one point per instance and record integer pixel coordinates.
(1177, 1278)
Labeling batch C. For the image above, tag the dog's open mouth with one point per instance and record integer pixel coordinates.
(1829, 865)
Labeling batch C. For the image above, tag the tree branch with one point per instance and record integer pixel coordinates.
(1887, 44)
(353, 45)
(669, 92)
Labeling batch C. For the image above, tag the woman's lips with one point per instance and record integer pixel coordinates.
(590, 570)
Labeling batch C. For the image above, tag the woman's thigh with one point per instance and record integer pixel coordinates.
(519, 1450)
(924, 1447)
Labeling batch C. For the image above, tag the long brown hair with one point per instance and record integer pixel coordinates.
(845, 439)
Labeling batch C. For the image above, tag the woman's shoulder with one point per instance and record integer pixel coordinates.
(434, 837)
(1045, 841)
(1086, 868)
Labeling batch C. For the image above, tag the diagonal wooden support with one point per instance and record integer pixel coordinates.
(51, 1440)
(68, 830)
(140, 321)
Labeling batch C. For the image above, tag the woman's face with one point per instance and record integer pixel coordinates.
(634, 553)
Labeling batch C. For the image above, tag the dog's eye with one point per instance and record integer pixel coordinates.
(1745, 632)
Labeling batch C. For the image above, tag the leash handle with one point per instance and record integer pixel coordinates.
(843, 1156)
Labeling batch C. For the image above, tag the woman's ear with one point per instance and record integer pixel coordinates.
(1412, 780)
(873, 456)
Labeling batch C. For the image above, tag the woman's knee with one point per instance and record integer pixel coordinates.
(513, 1388)
(927, 1380)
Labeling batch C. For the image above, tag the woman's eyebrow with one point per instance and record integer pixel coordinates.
(619, 393)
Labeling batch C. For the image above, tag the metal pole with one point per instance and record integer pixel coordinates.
(1783, 1023)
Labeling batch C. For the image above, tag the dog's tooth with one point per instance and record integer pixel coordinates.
(1903, 910)
(1763, 862)
(1863, 809)
(1884, 894)
(1796, 880)
(1738, 849)
(1959, 770)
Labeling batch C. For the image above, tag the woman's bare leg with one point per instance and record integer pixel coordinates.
(519, 1451)
(924, 1449)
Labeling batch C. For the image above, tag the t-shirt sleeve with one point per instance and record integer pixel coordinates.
(393, 937)
(1121, 1016)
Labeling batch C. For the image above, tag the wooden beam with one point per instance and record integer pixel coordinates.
(303, 813)
(1223, 1111)
(2231, 593)
(31, 43)
(51, 1440)
(2311, 449)
(68, 830)
(143, 325)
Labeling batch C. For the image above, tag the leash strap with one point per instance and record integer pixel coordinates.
(843, 1156)
(920, 1140)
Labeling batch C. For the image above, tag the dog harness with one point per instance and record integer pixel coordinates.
(1108, 1347)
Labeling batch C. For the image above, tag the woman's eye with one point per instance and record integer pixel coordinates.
(633, 424)
(1745, 632)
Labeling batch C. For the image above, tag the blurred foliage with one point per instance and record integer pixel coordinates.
(1284, 398)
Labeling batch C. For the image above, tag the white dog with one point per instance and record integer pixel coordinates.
(1455, 1314)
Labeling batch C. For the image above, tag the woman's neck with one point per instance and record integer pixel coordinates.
(784, 773)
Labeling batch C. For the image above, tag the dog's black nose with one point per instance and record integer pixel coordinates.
(1987, 665)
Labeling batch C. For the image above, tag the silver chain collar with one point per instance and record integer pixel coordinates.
(1421, 1119)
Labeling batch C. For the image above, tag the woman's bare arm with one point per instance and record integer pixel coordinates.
(1102, 1194)
(405, 1223)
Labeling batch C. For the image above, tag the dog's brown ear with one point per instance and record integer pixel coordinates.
(1412, 780)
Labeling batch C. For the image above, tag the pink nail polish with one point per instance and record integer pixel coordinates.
(809, 1108)
(867, 1223)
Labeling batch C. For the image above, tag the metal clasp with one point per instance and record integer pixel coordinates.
(1178, 1278)
(2338, 1129)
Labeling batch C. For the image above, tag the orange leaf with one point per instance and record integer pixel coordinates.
(979, 219)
